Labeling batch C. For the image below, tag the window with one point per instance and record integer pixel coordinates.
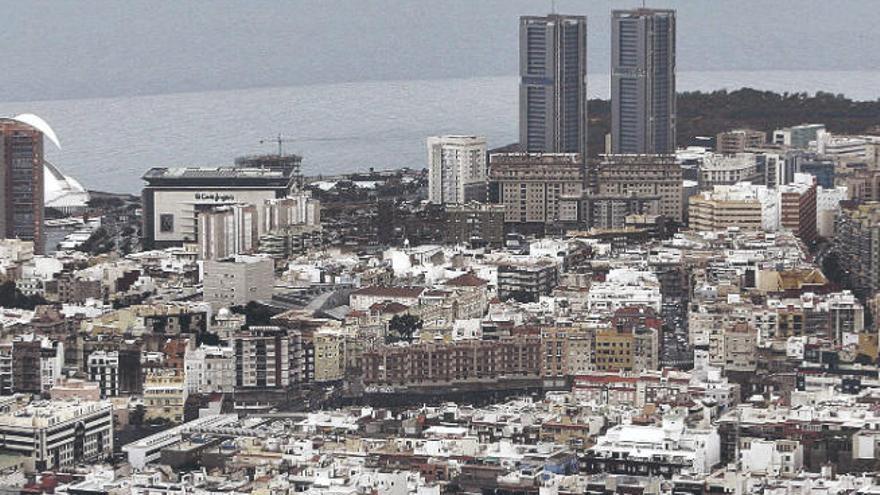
(166, 222)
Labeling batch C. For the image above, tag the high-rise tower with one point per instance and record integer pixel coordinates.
(553, 84)
(643, 81)
(21, 180)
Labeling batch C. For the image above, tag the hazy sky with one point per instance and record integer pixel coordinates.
(53, 49)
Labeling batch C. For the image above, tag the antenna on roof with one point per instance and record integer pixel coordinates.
(553, 7)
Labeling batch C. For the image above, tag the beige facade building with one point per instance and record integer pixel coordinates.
(531, 185)
(227, 230)
(329, 355)
(165, 394)
(739, 140)
(644, 175)
(238, 281)
(719, 210)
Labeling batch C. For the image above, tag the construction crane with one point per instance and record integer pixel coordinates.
(280, 140)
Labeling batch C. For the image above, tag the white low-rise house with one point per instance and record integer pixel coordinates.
(656, 450)
(625, 287)
(771, 457)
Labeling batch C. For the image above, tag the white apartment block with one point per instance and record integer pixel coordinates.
(625, 287)
(456, 168)
(210, 369)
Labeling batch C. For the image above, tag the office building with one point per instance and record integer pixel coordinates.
(173, 197)
(238, 281)
(553, 84)
(739, 140)
(643, 103)
(58, 435)
(21, 178)
(644, 176)
(718, 169)
(456, 169)
(799, 136)
(532, 185)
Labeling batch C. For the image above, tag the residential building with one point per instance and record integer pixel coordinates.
(644, 176)
(474, 223)
(827, 208)
(103, 369)
(527, 282)
(797, 207)
(365, 297)
(165, 394)
(553, 84)
(21, 178)
(739, 140)
(781, 457)
(456, 169)
(330, 355)
(481, 363)
(228, 230)
(237, 281)
(643, 91)
(740, 348)
(210, 369)
(655, 450)
(610, 211)
(37, 363)
(298, 208)
(267, 357)
(531, 186)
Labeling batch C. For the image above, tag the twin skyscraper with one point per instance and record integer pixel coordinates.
(553, 83)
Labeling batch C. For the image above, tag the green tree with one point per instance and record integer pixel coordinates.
(11, 297)
(402, 328)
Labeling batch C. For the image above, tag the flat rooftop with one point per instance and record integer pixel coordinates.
(225, 176)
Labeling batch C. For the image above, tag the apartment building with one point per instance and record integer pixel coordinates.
(644, 176)
(531, 186)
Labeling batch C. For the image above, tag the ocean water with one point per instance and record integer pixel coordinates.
(108, 143)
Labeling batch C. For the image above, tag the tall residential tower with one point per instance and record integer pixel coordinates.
(553, 84)
(643, 81)
(21, 178)
(456, 169)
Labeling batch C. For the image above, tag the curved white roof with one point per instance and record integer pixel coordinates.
(38, 124)
(62, 191)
